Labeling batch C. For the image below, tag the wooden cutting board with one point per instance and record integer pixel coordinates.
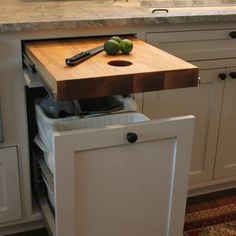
(147, 69)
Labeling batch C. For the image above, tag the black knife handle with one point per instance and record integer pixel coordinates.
(75, 60)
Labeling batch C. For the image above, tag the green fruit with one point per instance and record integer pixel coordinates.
(126, 46)
(111, 47)
(116, 38)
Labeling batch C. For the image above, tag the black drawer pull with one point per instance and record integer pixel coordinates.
(232, 75)
(132, 137)
(160, 10)
(222, 76)
(232, 34)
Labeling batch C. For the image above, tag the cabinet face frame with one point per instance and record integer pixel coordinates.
(10, 201)
(68, 144)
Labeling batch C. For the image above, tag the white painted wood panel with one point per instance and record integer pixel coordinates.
(107, 186)
(204, 102)
(225, 165)
(14, 117)
(10, 202)
(125, 190)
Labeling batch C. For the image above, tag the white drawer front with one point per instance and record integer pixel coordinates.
(196, 45)
(105, 185)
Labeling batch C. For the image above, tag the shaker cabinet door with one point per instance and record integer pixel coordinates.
(10, 202)
(226, 152)
(204, 102)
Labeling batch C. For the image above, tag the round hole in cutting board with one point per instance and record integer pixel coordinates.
(119, 63)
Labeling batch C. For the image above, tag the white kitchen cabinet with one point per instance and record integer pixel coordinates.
(15, 133)
(225, 165)
(204, 102)
(10, 201)
(114, 177)
(13, 100)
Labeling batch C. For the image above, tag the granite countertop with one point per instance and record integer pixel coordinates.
(20, 15)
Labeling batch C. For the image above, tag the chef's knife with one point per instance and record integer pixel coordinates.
(82, 56)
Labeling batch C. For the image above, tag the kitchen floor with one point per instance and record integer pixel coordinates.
(39, 232)
(202, 202)
(211, 200)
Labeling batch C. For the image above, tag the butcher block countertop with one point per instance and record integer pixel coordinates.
(23, 15)
(146, 68)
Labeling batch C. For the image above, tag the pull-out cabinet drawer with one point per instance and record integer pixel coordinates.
(146, 68)
(125, 175)
(122, 179)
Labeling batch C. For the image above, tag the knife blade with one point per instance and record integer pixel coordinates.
(82, 56)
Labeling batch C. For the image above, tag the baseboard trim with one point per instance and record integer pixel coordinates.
(210, 187)
(13, 229)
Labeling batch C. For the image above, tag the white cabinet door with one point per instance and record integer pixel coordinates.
(10, 202)
(106, 186)
(204, 102)
(226, 152)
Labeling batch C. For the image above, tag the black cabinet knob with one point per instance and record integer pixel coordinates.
(222, 76)
(232, 34)
(132, 137)
(232, 75)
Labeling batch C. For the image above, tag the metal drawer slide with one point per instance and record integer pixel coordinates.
(40, 191)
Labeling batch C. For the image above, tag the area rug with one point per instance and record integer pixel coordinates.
(219, 221)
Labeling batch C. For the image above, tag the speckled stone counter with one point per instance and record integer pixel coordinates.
(28, 15)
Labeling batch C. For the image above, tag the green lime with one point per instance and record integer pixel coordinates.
(111, 47)
(116, 38)
(126, 46)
